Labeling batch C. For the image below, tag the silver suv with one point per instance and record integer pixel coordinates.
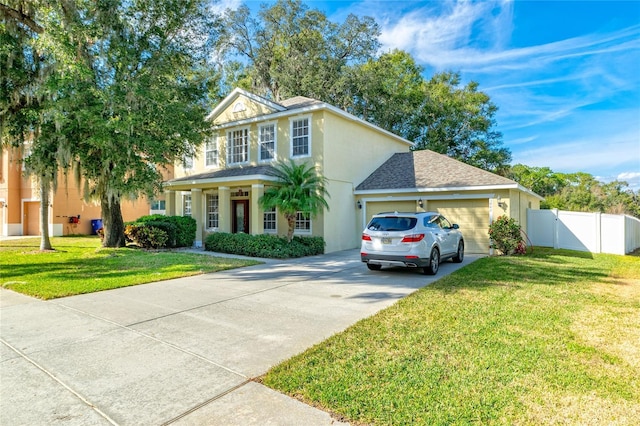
(414, 240)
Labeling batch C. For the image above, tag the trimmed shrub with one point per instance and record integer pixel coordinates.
(268, 246)
(506, 236)
(146, 235)
(181, 230)
(186, 230)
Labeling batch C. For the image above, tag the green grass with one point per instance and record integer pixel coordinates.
(79, 265)
(553, 337)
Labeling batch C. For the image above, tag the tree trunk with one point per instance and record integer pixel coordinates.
(291, 220)
(112, 223)
(45, 242)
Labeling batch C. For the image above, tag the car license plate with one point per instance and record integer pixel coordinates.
(386, 241)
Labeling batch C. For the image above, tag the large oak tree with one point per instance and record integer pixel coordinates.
(289, 50)
(138, 99)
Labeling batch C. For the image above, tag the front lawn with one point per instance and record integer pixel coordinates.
(550, 338)
(79, 265)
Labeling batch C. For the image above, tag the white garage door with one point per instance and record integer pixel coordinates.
(473, 218)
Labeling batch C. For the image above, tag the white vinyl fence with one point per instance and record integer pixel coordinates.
(592, 232)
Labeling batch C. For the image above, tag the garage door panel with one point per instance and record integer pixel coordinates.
(473, 218)
(375, 207)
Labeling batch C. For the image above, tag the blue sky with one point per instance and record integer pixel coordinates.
(564, 74)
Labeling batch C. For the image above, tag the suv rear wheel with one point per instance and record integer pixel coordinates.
(373, 266)
(434, 263)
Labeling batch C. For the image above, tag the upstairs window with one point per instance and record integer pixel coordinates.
(238, 146)
(300, 138)
(267, 142)
(211, 152)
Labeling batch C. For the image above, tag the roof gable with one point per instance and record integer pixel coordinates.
(240, 105)
(427, 169)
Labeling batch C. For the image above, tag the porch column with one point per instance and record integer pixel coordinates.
(170, 202)
(224, 209)
(197, 212)
(256, 212)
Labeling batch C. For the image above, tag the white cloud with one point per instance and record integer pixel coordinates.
(472, 36)
(221, 6)
(436, 33)
(632, 178)
(629, 175)
(602, 156)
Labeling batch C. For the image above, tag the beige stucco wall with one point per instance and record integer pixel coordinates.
(354, 150)
(351, 152)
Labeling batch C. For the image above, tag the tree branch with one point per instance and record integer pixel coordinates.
(20, 17)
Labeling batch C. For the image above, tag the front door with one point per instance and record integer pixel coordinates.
(31, 223)
(240, 216)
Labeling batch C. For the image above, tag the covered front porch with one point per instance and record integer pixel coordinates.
(223, 201)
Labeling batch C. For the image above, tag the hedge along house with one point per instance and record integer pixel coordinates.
(466, 195)
(220, 187)
(368, 170)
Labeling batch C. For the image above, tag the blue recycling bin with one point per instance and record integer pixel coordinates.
(95, 225)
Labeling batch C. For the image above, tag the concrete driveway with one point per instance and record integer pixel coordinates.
(184, 351)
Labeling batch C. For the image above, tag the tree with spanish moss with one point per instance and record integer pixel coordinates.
(139, 100)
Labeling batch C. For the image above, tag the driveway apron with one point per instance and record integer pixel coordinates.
(184, 351)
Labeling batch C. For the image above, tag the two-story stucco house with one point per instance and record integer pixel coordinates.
(368, 170)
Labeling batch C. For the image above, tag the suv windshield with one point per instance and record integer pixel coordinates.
(392, 223)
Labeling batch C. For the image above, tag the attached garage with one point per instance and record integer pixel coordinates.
(466, 195)
(473, 218)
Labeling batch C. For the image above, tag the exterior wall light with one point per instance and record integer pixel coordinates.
(359, 205)
(420, 203)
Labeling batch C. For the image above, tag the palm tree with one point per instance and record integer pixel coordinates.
(299, 188)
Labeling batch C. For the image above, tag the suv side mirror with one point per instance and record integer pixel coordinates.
(455, 226)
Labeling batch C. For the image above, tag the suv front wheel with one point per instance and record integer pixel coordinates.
(434, 263)
(459, 257)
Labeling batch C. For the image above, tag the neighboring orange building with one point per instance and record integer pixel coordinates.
(69, 214)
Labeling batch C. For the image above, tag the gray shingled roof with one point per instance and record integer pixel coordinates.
(428, 169)
(263, 170)
(299, 102)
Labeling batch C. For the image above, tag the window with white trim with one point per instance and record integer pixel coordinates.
(212, 211)
(186, 205)
(238, 146)
(300, 138)
(267, 142)
(211, 152)
(303, 222)
(158, 205)
(270, 220)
